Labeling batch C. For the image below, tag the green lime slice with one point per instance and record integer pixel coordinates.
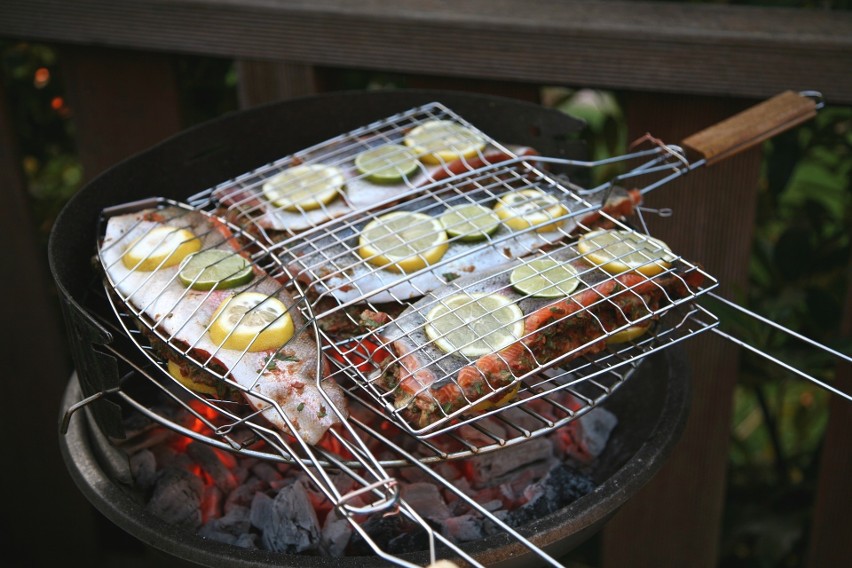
(215, 268)
(470, 222)
(474, 324)
(544, 278)
(389, 163)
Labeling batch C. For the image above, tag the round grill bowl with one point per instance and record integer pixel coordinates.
(651, 407)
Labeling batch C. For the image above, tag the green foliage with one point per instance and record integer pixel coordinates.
(42, 118)
(798, 278)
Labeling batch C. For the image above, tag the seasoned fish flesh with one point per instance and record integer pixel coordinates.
(429, 384)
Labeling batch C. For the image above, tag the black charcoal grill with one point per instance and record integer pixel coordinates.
(117, 368)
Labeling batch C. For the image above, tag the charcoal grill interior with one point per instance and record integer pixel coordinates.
(204, 156)
(652, 408)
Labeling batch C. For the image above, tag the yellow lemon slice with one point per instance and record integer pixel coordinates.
(544, 278)
(389, 163)
(620, 250)
(530, 208)
(161, 247)
(470, 222)
(474, 324)
(438, 141)
(627, 334)
(488, 404)
(215, 268)
(187, 381)
(403, 241)
(305, 187)
(251, 321)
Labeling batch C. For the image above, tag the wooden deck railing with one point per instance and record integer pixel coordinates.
(679, 66)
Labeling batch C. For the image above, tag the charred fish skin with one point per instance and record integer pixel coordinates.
(427, 385)
(282, 384)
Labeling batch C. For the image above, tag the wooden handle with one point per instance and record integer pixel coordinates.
(751, 127)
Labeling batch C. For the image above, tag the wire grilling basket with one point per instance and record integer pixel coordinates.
(371, 317)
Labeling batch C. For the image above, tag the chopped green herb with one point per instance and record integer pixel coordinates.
(301, 406)
(322, 412)
(450, 276)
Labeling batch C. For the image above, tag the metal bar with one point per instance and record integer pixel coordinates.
(779, 362)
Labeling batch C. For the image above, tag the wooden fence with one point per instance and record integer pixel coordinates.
(679, 67)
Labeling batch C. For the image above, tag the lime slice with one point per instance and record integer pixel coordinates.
(251, 321)
(403, 241)
(390, 163)
(474, 324)
(161, 247)
(530, 208)
(619, 250)
(544, 278)
(470, 222)
(217, 268)
(304, 187)
(438, 141)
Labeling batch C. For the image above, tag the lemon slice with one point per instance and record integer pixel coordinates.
(474, 324)
(403, 241)
(389, 163)
(619, 250)
(627, 334)
(488, 404)
(251, 321)
(470, 222)
(304, 187)
(438, 141)
(217, 268)
(544, 278)
(186, 380)
(161, 247)
(530, 208)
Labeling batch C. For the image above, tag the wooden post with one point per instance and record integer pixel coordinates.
(832, 523)
(123, 102)
(262, 82)
(675, 520)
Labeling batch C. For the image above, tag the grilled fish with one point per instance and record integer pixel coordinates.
(245, 203)
(331, 265)
(429, 384)
(285, 384)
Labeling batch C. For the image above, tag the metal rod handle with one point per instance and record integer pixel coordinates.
(787, 366)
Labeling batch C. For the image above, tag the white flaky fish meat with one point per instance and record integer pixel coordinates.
(288, 385)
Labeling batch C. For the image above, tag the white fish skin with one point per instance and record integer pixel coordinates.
(286, 377)
(338, 271)
(332, 266)
(245, 200)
